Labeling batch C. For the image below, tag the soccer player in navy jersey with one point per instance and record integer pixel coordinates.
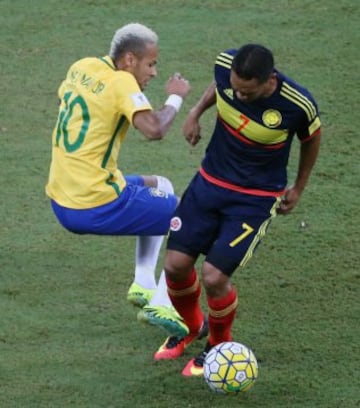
(240, 187)
(99, 99)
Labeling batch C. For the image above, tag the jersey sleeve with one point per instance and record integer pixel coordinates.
(311, 124)
(130, 97)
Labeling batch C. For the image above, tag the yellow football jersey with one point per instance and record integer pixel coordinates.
(97, 104)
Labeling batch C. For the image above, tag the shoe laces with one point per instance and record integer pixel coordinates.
(173, 342)
(200, 358)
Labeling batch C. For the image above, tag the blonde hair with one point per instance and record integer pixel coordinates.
(131, 37)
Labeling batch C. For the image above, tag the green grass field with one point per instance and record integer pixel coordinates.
(68, 338)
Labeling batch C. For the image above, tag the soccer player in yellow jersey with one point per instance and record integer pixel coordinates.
(99, 99)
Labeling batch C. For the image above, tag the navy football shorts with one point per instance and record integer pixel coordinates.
(139, 210)
(224, 225)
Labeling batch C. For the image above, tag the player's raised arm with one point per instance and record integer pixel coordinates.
(155, 124)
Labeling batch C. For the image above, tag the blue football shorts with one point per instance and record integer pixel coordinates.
(139, 210)
(224, 225)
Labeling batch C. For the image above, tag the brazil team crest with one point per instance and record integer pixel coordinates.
(272, 118)
(156, 193)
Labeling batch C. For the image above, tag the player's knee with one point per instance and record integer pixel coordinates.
(177, 266)
(164, 184)
(173, 272)
(216, 283)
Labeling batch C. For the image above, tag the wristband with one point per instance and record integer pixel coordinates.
(175, 101)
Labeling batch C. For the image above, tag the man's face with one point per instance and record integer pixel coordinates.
(144, 68)
(249, 90)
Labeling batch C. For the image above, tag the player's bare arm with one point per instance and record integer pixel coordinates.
(308, 154)
(155, 124)
(191, 127)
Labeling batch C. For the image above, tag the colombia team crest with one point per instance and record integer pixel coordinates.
(175, 224)
(272, 118)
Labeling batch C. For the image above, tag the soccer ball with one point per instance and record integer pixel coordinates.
(230, 367)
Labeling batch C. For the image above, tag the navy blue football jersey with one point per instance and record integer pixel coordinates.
(250, 145)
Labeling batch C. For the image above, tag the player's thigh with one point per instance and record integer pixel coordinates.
(193, 228)
(239, 236)
(137, 211)
(148, 211)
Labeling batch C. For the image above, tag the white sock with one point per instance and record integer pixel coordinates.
(147, 252)
(146, 256)
(161, 297)
(164, 184)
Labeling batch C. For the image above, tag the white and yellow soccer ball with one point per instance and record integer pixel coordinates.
(230, 368)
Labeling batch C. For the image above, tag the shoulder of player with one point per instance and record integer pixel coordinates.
(101, 70)
(86, 61)
(98, 63)
(222, 67)
(292, 85)
(224, 59)
(296, 94)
